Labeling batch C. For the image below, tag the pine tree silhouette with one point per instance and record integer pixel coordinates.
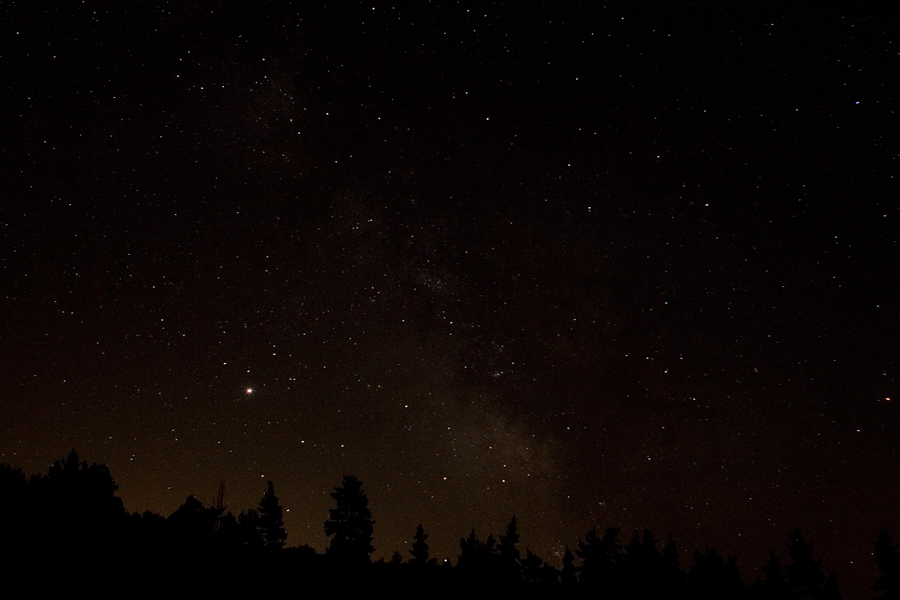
(76, 506)
(510, 563)
(830, 590)
(567, 575)
(601, 560)
(419, 551)
(642, 566)
(192, 526)
(804, 575)
(715, 578)
(533, 572)
(350, 525)
(250, 532)
(674, 579)
(477, 556)
(271, 521)
(508, 541)
(774, 586)
(469, 551)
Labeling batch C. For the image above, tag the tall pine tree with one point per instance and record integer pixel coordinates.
(510, 558)
(774, 586)
(420, 554)
(271, 520)
(350, 525)
(804, 575)
(567, 575)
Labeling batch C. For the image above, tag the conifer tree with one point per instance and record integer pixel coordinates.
(531, 567)
(419, 550)
(271, 520)
(830, 590)
(804, 575)
(477, 556)
(508, 541)
(569, 579)
(350, 525)
(193, 526)
(510, 563)
(673, 577)
(601, 561)
(774, 586)
(469, 550)
(642, 566)
(250, 533)
(713, 577)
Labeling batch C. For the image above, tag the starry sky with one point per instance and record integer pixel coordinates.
(592, 265)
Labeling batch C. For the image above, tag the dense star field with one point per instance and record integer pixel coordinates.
(598, 266)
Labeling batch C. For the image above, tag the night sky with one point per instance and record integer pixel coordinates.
(597, 266)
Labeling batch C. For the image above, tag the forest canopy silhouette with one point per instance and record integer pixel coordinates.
(70, 520)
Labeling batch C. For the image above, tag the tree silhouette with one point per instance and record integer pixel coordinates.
(673, 578)
(774, 586)
(420, 549)
(830, 590)
(531, 567)
(475, 555)
(192, 526)
(510, 563)
(478, 564)
(537, 574)
(888, 560)
(641, 564)
(508, 541)
(469, 548)
(350, 525)
(804, 575)
(82, 489)
(249, 530)
(74, 508)
(49, 521)
(567, 575)
(228, 533)
(549, 577)
(271, 521)
(715, 578)
(600, 562)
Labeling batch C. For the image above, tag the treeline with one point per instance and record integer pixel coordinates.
(67, 529)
